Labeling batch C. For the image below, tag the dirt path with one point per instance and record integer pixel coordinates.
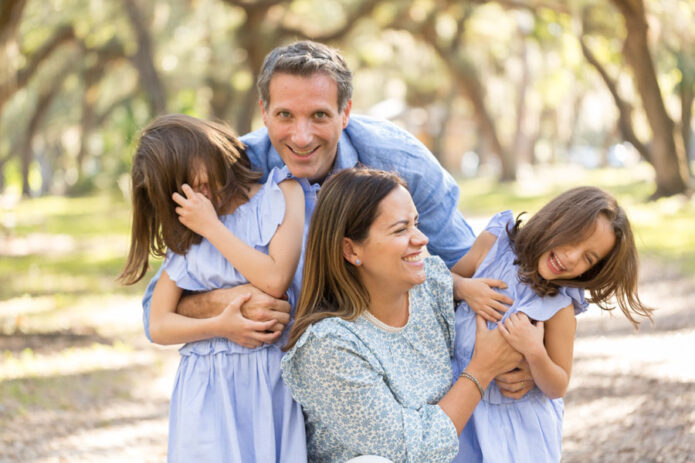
(632, 397)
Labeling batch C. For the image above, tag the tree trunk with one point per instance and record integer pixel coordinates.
(42, 106)
(518, 147)
(144, 61)
(687, 94)
(624, 108)
(668, 162)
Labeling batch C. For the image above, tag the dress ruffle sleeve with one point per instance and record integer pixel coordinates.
(543, 308)
(499, 222)
(176, 266)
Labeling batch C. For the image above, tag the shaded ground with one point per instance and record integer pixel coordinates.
(632, 397)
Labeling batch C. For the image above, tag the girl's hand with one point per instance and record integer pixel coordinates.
(523, 335)
(482, 299)
(196, 211)
(239, 329)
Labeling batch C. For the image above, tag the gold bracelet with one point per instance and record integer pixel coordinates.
(467, 375)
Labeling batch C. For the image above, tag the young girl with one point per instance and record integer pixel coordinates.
(229, 402)
(581, 240)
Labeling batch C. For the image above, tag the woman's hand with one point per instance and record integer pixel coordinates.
(482, 299)
(195, 211)
(523, 335)
(492, 352)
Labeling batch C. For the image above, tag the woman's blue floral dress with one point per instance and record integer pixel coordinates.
(367, 388)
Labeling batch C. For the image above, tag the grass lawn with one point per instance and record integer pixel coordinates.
(664, 229)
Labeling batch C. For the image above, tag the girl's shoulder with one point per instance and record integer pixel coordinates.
(500, 223)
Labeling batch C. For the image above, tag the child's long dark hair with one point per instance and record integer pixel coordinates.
(569, 218)
(171, 150)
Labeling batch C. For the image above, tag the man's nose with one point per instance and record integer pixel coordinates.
(301, 136)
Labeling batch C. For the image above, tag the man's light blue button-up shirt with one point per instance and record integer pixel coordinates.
(381, 145)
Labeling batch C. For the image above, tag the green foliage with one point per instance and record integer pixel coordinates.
(663, 229)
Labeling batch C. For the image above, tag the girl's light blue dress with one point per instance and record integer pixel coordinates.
(370, 389)
(502, 429)
(229, 403)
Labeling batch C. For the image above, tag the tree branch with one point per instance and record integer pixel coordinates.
(61, 35)
(624, 108)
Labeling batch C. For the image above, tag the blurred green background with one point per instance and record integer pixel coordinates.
(519, 100)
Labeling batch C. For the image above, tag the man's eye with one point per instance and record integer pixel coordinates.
(320, 115)
(284, 114)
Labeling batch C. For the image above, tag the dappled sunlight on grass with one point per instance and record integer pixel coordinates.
(73, 216)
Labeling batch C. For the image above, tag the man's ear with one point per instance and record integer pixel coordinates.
(346, 113)
(350, 251)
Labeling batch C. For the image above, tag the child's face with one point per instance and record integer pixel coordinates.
(569, 261)
(200, 182)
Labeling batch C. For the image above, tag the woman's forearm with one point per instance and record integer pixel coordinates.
(464, 395)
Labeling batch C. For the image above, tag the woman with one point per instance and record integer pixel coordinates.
(369, 355)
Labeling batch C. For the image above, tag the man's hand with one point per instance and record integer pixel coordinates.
(516, 383)
(272, 314)
(482, 299)
(262, 308)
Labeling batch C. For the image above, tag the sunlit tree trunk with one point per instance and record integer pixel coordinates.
(624, 108)
(668, 161)
(687, 94)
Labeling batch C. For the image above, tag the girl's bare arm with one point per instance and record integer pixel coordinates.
(548, 347)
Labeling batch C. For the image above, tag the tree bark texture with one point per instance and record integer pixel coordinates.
(625, 126)
(668, 162)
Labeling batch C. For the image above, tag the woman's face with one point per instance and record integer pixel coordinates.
(569, 261)
(392, 255)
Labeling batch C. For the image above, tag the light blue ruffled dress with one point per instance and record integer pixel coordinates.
(229, 402)
(370, 389)
(502, 429)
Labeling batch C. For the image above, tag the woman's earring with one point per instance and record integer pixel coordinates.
(358, 262)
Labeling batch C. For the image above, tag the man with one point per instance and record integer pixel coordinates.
(305, 91)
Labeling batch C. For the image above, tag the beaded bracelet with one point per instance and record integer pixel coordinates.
(467, 375)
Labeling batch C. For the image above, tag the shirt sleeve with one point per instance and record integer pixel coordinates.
(341, 388)
(382, 145)
(436, 196)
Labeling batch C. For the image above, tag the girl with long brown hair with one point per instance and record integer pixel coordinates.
(198, 203)
(581, 240)
(369, 355)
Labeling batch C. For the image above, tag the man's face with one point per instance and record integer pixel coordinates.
(304, 123)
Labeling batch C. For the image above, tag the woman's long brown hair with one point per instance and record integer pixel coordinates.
(347, 206)
(569, 218)
(171, 150)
